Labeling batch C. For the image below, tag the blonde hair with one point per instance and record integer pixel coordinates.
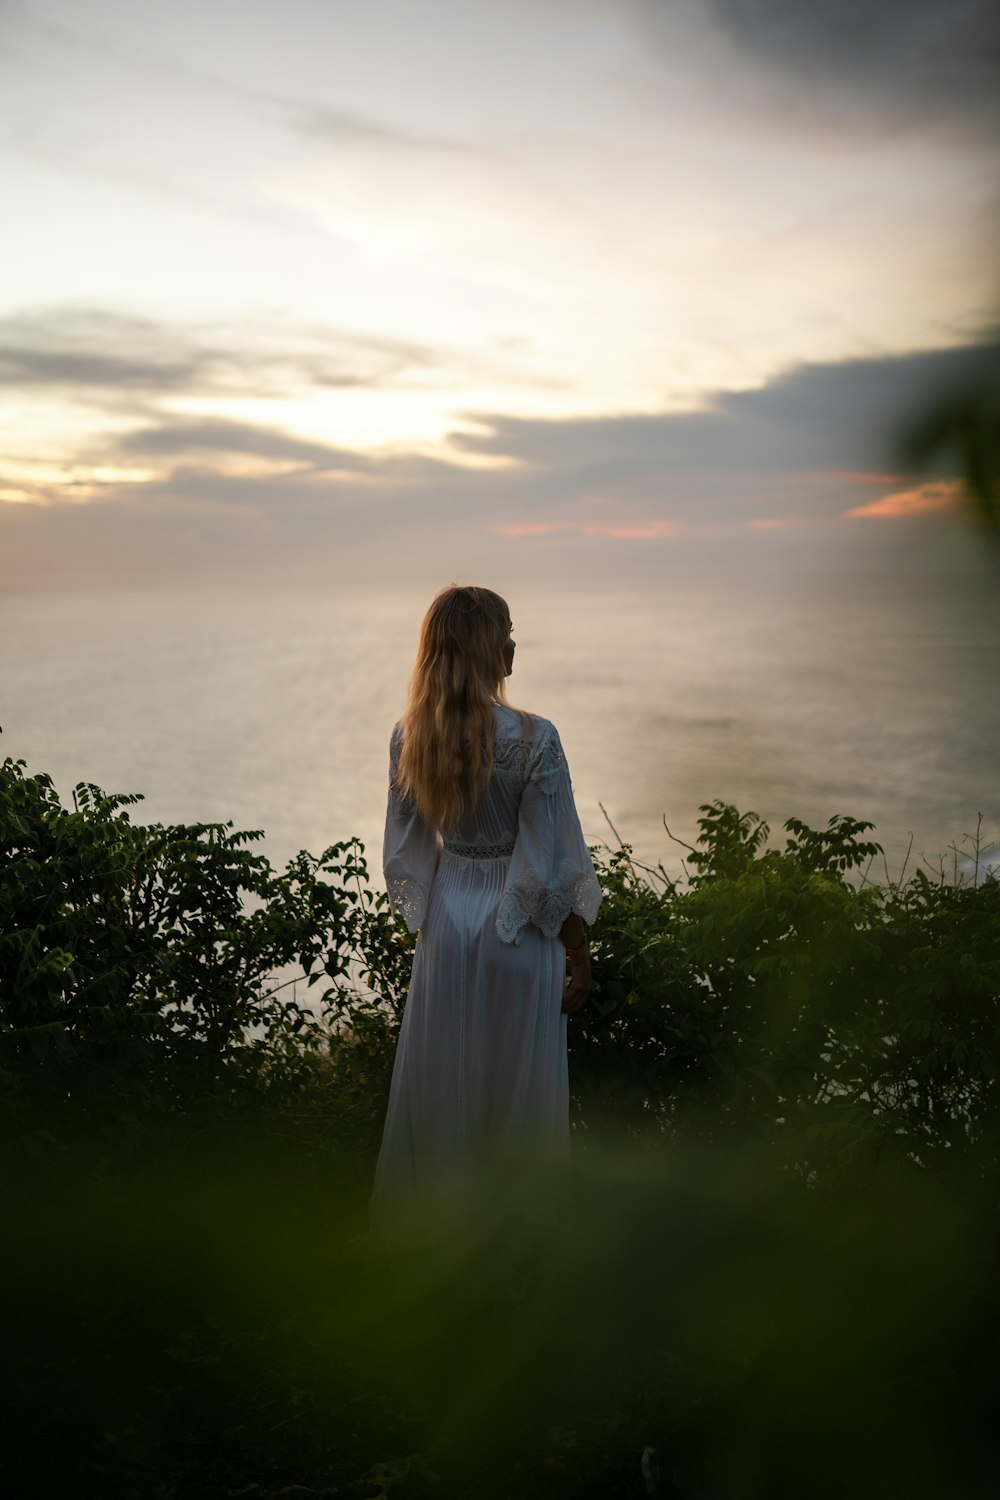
(447, 753)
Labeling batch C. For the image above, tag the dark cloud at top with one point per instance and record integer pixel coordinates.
(310, 120)
(867, 61)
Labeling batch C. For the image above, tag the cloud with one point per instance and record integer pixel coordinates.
(823, 422)
(91, 349)
(913, 502)
(775, 523)
(856, 476)
(849, 65)
(218, 436)
(766, 469)
(82, 349)
(344, 127)
(529, 528)
(641, 531)
(116, 52)
(95, 356)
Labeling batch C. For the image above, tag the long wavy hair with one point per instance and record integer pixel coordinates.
(459, 676)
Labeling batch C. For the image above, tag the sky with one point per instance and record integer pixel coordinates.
(579, 290)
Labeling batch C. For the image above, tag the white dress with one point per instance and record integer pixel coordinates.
(481, 1058)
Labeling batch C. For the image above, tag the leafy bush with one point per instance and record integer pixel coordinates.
(775, 996)
(197, 1322)
(146, 968)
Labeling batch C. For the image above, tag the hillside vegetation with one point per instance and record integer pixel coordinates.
(767, 1271)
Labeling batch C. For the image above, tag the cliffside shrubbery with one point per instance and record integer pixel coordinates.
(152, 973)
(779, 997)
(770, 1263)
(774, 996)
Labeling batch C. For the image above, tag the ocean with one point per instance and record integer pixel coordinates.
(274, 709)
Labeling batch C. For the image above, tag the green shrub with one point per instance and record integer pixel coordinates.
(145, 969)
(188, 1314)
(774, 995)
(779, 996)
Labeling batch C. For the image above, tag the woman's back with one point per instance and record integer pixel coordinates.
(481, 1061)
(519, 741)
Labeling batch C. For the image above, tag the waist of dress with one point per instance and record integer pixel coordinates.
(479, 851)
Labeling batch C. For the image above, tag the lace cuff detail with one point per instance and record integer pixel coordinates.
(408, 899)
(548, 906)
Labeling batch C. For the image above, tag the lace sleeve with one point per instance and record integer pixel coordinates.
(551, 873)
(409, 849)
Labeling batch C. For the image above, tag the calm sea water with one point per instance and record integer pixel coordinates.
(275, 710)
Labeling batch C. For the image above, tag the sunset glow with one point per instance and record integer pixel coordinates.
(902, 503)
(330, 280)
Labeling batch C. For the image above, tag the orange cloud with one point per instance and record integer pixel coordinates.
(643, 531)
(855, 476)
(536, 528)
(640, 531)
(840, 477)
(915, 502)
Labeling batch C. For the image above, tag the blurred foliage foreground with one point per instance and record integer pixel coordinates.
(769, 1268)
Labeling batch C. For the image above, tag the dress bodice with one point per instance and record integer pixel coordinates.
(521, 742)
(525, 814)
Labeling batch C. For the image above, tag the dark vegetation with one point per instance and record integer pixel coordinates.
(963, 427)
(770, 1267)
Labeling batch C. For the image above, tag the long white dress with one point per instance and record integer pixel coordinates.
(481, 1059)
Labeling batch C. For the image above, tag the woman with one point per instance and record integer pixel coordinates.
(485, 856)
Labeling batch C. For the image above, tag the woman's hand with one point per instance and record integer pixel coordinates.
(574, 939)
(579, 978)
